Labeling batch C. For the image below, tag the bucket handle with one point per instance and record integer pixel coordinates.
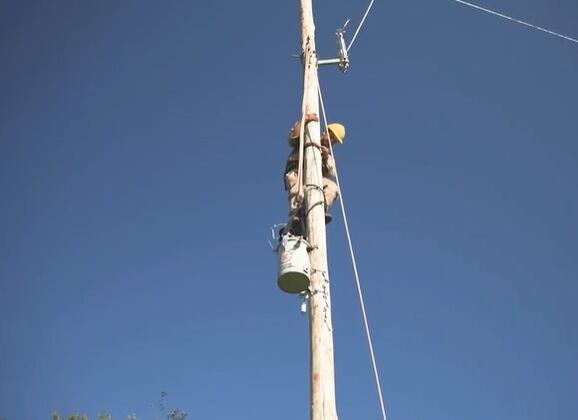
(275, 235)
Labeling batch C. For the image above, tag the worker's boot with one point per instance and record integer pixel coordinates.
(296, 226)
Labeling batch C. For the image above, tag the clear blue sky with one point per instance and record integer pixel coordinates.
(142, 145)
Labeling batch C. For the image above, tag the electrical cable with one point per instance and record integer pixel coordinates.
(483, 9)
(360, 25)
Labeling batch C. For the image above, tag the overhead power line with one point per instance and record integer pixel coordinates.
(521, 22)
(360, 25)
(475, 6)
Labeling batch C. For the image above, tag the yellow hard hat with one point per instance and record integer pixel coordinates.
(338, 132)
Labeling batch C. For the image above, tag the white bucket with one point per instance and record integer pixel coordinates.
(294, 266)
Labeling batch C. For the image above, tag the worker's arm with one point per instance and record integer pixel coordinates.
(328, 162)
(296, 130)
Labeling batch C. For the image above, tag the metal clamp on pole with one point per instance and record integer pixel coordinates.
(343, 60)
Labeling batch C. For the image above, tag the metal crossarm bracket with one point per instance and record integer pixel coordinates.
(343, 60)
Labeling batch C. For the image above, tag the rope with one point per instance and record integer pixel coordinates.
(355, 272)
(517, 21)
(360, 25)
(302, 136)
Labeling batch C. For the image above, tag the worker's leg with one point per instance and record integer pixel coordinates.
(331, 193)
(295, 224)
(292, 189)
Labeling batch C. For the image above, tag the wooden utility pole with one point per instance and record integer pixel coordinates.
(321, 332)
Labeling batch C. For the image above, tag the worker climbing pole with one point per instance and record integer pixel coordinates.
(293, 269)
(335, 133)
